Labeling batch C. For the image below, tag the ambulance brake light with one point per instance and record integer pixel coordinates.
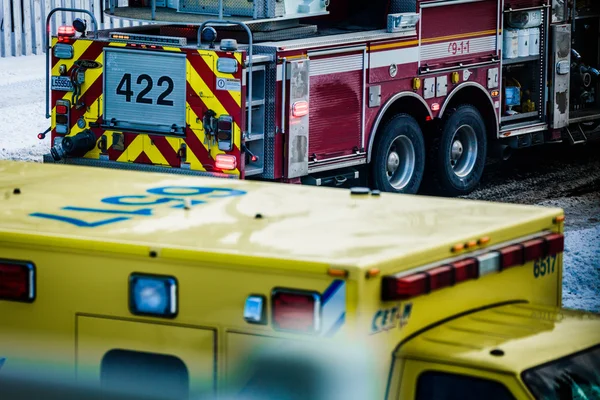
(61, 109)
(511, 256)
(296, 311)
(465, 270)
(533, 249)
(555, 243)
(394, 287)
(17, 281)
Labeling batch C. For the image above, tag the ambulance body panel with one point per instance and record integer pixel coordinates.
(109, 269)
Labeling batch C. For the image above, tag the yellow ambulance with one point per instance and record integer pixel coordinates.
(194, 287)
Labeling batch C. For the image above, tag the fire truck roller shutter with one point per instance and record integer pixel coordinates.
(398, 159)
(456, 157)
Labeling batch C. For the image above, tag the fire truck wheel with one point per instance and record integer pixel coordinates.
(457, 156)
(399, 156)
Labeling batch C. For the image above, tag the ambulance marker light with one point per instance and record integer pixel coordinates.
(337, 272)
(555, 243)
(373, 272)
(484, 240)
(511, 256)
(440, 277)
(153, 295)
(458, 247)
(255, 309)
(225, 162)
(471, 244)
(465, 270)
(560, 218)
(533, 249)
(17, 281)
(404, 288)
(297, 311)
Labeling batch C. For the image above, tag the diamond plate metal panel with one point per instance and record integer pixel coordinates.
(138, 93)
(403, 6)
(238, 8)
(270, 111)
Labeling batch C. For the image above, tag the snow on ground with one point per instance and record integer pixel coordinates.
(22, 117)
(22, 103)
(581, 280)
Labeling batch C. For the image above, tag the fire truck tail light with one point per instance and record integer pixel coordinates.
(153, 295)
(225, 162)
(17, 281)
(225, 133)
(296, 311)
(300, 109)
(65, 32)
(555, 243)
(62, 116)
(511, 256)
(465, 270)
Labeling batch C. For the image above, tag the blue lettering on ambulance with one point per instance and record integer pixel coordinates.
(78, 222)
(2, 361)
(390, 318)
(145, 200)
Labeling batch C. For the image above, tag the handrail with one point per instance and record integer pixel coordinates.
(49, 46)
(249, 32)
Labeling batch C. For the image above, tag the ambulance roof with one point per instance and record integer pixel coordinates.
(527, 336)
(78, 207)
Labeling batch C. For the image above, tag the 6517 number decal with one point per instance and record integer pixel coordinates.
(124, 89)
(544, 266)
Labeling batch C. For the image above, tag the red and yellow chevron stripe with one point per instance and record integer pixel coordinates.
(161, 150)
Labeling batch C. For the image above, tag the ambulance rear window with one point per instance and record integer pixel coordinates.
(435, 385)
(575, 377)
(127, 372)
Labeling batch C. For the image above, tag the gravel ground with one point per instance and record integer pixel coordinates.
(557, 175)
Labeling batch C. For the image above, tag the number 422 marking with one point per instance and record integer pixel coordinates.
(124, 89)
(544, 266)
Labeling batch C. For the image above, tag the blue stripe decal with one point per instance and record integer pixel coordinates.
(328, 294)
(2, 361)
(338, 324)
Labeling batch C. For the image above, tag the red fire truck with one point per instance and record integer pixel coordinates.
(405, 93)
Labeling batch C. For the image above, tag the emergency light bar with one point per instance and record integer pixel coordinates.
(153, 295)
(402, 286)
(146, 39)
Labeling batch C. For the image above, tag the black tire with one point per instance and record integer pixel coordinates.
(404, 133)
(458, 175)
